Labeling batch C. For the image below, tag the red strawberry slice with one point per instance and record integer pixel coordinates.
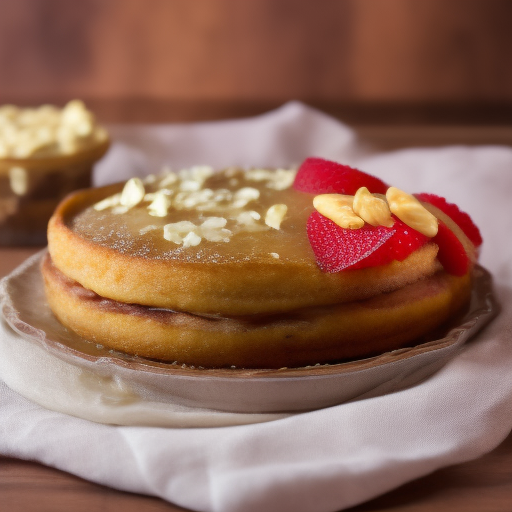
(404, 242)
(462, 219)
(319, 176)
(338, 248)
(452, 254)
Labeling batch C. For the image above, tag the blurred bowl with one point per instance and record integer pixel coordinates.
(31, 188)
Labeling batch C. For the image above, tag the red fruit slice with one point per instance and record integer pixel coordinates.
(338, 248)
(452, 254)
(462, 219)
(404, 242)
(319, 176)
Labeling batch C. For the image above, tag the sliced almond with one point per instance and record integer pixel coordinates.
(159, 207)
(275, 215)
(133, 193)
(338, 208)
(372, 209)
(410, 211)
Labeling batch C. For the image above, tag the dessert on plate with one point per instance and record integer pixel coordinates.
(258, 268)
(45, 153)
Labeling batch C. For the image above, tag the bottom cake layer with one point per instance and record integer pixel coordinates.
(302, 337)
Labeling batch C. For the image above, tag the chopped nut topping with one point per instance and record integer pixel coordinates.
(275, 215)
(244, 196)
(213, 229)
(279, 179)
(351, 212)
(372, 209)
(282, 179)
(147, 229)
(258, 174)
(186, 190)
(410, 211)
(170, 178)
(133, 193)
(188, 234)
(338, 208)
(159, 207)
(119, 210)
(246, 218)
(191, 240)
(47, 130)
(197, 173)
(108, 202)
(214, 223)
(174, 231)
(190, 185)
(249, 221)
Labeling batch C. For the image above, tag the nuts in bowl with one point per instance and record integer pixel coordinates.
(45, 153)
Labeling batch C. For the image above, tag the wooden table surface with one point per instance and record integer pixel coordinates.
(483, 485)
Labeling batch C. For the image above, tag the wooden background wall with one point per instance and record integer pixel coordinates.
(422, 53)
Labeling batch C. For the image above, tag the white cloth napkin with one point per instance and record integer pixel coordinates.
(328, 459)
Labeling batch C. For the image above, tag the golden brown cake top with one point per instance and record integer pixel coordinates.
(197, 215)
